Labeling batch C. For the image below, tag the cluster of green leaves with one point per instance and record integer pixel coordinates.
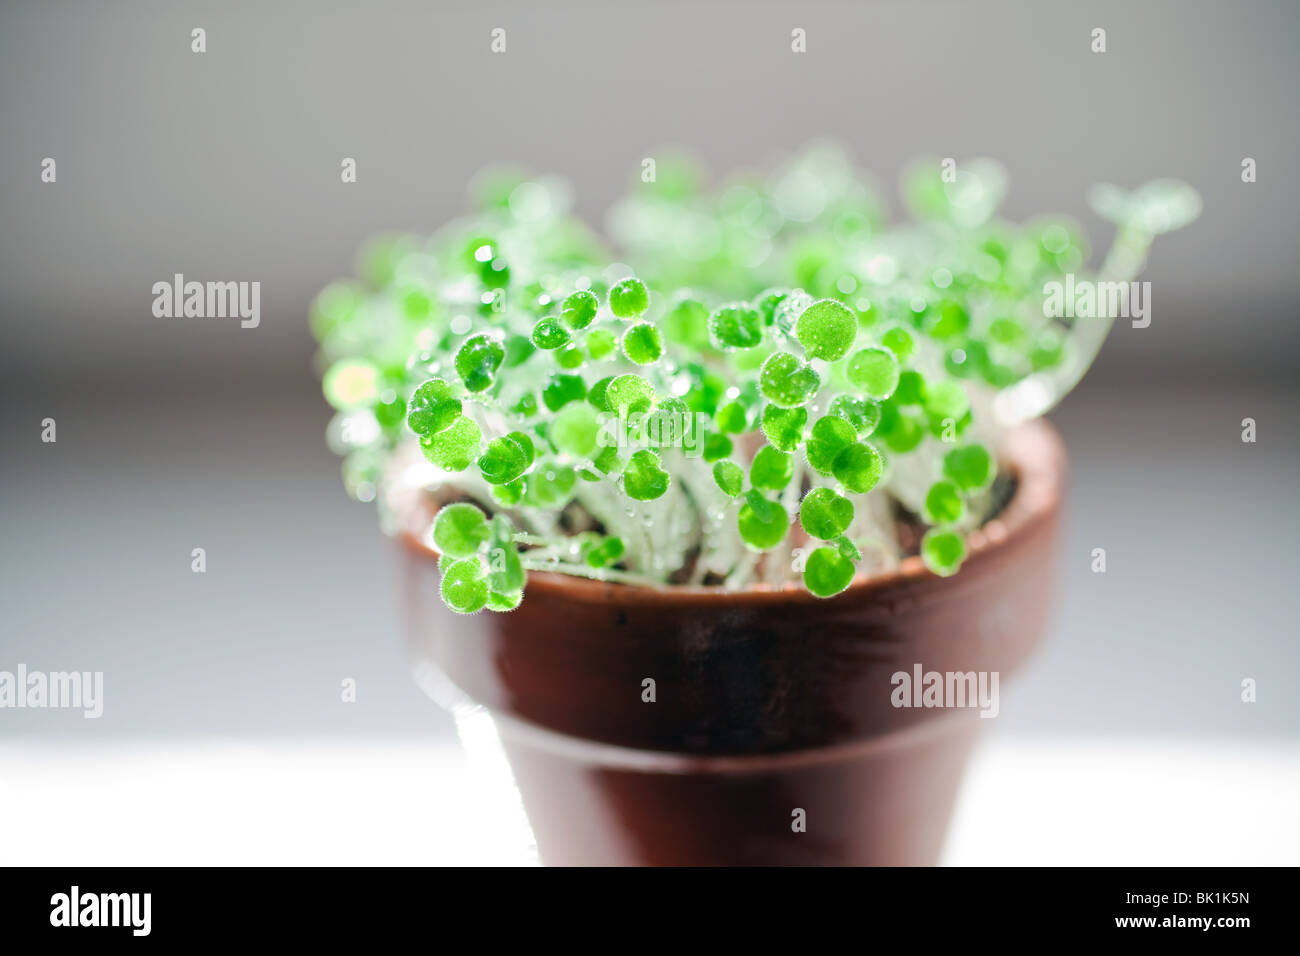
(810, 348)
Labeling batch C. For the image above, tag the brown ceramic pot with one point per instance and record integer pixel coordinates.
(767, 702)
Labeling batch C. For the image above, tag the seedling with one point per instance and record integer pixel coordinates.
(776, 386)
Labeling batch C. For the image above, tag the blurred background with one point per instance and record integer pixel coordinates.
(176, 434)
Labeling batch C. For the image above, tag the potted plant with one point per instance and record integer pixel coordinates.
(707, 535)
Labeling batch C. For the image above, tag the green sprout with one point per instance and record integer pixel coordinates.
(783, 382)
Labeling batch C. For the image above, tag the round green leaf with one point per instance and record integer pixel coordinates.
(944, 504)
(825, 514)
(643, 479)
(496, 601)
(863, 414)
(687, 323)
(874, 372)
(550, 334)
(504, 460)
(826, 329)
(464, 589)
(459, 530)
(970, 467)
(762, 523)
(729, 477)
(946, 399)
(579, 310)
(717, 446)
(600, 343)
(643, 344)
(576, 429)
(505, 570)
(943, 551)
(899, 341)
(735, 326)
(561, 389)
(627, 394)
(784, 426)
(827, 572)
(455, 447)
(771, 469)
(830, 436)
(629, 298)
(477, 361)
(786, 381)
(858, 468)
(433, 407)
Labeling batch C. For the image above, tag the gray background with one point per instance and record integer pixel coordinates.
(176, 434)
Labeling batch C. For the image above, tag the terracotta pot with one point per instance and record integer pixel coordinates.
(767, 702)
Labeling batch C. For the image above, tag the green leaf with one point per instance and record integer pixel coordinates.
(732, 419)
(561, 389)
(643, 479)
(786, 381)
(433, 407)
(784, 426)
(550, 334)
(602, 552)
(579, 309)
(944, 504)
(496, 601)
(858, 468)
(505, 459)
(830, 436)
(477, 361)
(943, 551)
(735, 326)
(629, 298)
(643, 344)
(861, 413)
(825, 514)
(826, 329)
(687, 323)
(946, 399)
(762, 523)
(910, 389)
(628, 394)
(459, 530)
(970, 467)
(464, 589)
(575, 430)
(771, 469)
(549, 485)
(505, 570)
(717, 446)
(874, 372)
(729, 477)
(899, 341)
(454, 448)
(827, 572)
(508, 495)
(608, 460)
(600, 343)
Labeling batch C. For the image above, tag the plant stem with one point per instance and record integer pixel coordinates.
(596, 574)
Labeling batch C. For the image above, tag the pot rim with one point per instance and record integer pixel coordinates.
(1033, 450)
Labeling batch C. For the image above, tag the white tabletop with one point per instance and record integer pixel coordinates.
(416, 802)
